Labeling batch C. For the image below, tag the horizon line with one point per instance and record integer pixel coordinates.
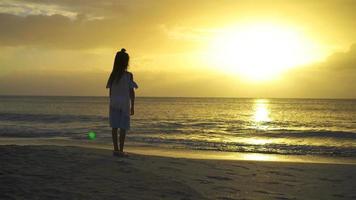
(217, 97)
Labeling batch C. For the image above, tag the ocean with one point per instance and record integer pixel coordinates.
(280, 126)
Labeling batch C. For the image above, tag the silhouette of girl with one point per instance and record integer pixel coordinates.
(122, 99)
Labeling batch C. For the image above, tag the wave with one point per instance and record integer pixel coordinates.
(286, 149)
(50, 118)
(142, 136)
(284, 133)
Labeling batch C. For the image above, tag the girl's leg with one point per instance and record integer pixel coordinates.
(122, 139)
(114, 139)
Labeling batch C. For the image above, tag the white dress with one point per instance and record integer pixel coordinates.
(119, 114)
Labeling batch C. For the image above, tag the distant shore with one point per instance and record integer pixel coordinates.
(58, 172)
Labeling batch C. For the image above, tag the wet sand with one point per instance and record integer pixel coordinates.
(64, 172)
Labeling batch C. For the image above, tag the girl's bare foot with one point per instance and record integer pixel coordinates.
(123, 154)
(119, 154)
(116, 153)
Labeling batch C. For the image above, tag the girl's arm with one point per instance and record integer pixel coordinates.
(132, 97)
(108, 86)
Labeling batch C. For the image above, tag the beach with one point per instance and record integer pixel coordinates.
(178, 100)
(179, 148)
(68, 172)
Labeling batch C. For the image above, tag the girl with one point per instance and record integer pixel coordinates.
(122, 99)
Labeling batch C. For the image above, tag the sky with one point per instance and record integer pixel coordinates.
(180, 48)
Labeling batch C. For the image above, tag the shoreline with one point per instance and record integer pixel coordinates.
(180, 153)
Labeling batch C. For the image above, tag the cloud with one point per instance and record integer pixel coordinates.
(96, 24)
(80, 24)
(335, 77)
(342, 60)
(68, 8)
(24, 9)
(58, 31)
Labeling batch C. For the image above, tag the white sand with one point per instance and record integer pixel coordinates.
(57, 172)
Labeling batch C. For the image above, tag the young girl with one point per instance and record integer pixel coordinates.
(122, 99)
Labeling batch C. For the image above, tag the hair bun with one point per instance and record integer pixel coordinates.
(123, 50)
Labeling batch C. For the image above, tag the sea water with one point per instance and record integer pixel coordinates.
(282, 126)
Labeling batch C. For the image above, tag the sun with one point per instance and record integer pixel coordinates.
(260, 51)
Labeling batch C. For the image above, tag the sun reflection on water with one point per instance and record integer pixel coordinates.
(261, 113)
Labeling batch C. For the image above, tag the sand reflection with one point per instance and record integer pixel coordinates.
(259, 157)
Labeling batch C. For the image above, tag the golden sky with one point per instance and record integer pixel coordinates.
(209, 48)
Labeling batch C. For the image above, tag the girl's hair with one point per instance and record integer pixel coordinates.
(120, 66)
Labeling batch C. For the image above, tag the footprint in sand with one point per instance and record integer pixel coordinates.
(288, 180)
(295, 169)
(226, 198)
(262, 192)
(280, 173)
(231, 173)
(122, 162)
(280, 195)
(282, 198)
(176, 163)
(339, 195)
(138, 187)
(242, 167)
(331, 180)
(202, 181)
(170, 169)
(227, 189)
(220, 178)
(272, 182)
(289, 185)
(125, 170)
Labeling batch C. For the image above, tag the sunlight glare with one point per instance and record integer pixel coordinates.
(261, 111)
(260, 51)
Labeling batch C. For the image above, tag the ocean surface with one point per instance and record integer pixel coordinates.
(282, 126)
